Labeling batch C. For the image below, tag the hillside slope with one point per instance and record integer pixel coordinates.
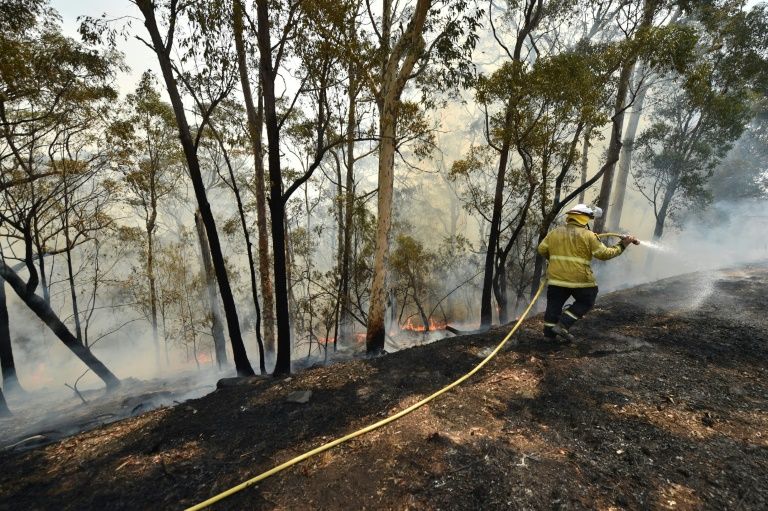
(663, 403)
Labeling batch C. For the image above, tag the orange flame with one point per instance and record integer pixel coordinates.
(433, 325)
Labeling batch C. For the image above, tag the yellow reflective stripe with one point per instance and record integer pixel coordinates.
(565, 283)
(569, 258)
(571, 314)
(549, 324)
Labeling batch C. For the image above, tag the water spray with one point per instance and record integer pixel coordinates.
(648, 244)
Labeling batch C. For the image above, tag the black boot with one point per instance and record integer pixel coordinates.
(562, 332)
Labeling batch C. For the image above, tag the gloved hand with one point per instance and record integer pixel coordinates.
(628, 240)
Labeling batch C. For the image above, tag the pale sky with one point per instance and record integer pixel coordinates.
(137, 55)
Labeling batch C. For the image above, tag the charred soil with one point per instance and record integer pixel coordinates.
(661, 404)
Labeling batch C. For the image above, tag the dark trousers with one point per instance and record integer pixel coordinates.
(556, 297)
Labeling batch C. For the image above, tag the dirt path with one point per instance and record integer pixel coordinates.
(663, 405)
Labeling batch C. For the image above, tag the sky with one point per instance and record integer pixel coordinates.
(138, 57)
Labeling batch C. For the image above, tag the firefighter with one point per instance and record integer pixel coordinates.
(569, 250)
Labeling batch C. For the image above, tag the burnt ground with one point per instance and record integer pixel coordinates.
(663, 404)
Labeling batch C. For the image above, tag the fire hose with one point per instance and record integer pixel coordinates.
(371, 427)
(387, 420)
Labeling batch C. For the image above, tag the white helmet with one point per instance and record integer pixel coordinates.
(583, 209)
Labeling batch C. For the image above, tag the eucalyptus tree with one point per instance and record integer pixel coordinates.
(225, 148)
(255, 113)
(645, 26)
(150, 159)
(532, 12)
(525, 32)
(45, 80)
(704, 111)
(430, 43)
(296, 27)
(559, 97)
(190, 26)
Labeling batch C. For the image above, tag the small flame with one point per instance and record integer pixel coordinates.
(433, 325)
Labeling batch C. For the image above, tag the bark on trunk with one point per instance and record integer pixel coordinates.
(10, 378)
(255, 124)
(217, 329)
(625, 160)
(394, 76)
(73, 295)
(661, 216)
(584, 161)
(614, 146)
(43, 311)
(4, 411)
(376, 332)
(486, 310)
(249, 252)
(190, 152)
(276, 204)
(349, 204)
(152, 283)
(70, 271)
(500, 292)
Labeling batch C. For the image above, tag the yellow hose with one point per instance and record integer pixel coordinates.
(610, 235)
(367, 429)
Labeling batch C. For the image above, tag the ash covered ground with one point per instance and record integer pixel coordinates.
(662, 404)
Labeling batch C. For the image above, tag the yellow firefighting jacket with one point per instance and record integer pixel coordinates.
(570, 249)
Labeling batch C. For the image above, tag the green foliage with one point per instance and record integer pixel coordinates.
(146, 147)
(704, 111)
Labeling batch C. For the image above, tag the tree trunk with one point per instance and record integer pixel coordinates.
(538, 269)
(249, 252)
(584, 161)
(614, 146)
(42, 272)
(10, 378)
(396, 69)
(500, 292)
(242, 364)
(73, 294)
(152, 284)
(625, 160)
(661, 216)
(255, 123)
(486, 309)
(41, 308)
(4, 411)
(217, 330)
(349, 204)
(376, 332)
(339, 205)
(276, 203)
(70, 271)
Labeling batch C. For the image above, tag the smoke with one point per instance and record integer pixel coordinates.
(727, 234)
